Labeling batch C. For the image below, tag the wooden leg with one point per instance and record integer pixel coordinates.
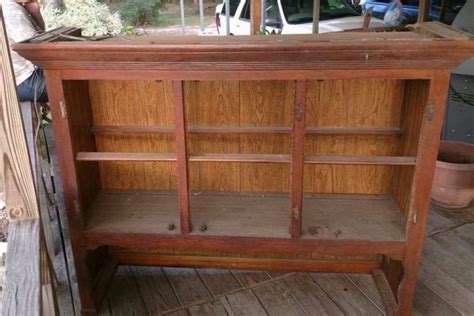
(420, 196)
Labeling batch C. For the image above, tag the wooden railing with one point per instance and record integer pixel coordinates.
(28, 286)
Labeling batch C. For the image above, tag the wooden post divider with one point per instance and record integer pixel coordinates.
(181, 157)
(297, 159)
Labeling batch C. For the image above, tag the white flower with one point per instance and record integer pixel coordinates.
(92, 17)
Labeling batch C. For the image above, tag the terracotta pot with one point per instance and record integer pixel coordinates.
(453, 185)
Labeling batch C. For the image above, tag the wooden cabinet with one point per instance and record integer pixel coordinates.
(303, 153)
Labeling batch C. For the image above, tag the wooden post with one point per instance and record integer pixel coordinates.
(423, 10)
(24, 270)
(255, 16)
(316, 13)
(423, 177)
(181, 157)
(297, 159)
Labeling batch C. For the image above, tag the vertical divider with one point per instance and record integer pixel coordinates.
(181, 157)
(297, 159)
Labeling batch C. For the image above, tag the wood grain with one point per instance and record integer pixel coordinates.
(22, 288)
(16, 177)
(155, 289)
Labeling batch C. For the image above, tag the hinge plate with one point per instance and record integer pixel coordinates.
(62, 109)
(298, 112)
(295, 213)
(429, 112)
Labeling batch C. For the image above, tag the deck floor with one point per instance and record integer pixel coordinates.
(445, 286)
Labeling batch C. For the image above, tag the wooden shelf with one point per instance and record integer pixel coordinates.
(116, 156)
(362, 160)
(141, 129)
(335, 217)
(256, 158)
(240, 158)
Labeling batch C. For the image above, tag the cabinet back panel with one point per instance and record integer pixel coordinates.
(335, 103)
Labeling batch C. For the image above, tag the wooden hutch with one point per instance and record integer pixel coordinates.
(302, 153)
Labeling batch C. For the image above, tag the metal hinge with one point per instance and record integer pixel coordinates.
(295, 213)
(62, 109)
(415, 215)
(299, 112)
(429, 112)
(77, 207)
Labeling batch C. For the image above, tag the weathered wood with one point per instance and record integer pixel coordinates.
(212, 308)
(218, 281)
(22, 289)
(249, 278)
(277, 299)
(17, 189)
(385, 291)
(310, 296)
(155, 289)
(372, 218)
(187, 285)
(124, 296)
(369, 131)
(244, 303)
(349, 299)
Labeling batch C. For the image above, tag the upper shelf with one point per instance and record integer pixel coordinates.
(256, 57)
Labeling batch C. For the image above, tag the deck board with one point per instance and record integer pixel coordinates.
(156, 291)
(345, 294)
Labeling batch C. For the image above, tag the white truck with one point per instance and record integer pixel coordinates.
(292, 17)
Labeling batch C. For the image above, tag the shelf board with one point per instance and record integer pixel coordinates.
(265, 158)
(134, 212)
(356, 217)
(116, 156)
(141, 129)
(362, 160)
(256, 158)
(325, 217)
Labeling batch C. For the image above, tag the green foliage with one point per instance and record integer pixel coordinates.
(141, 12)
(272, 32)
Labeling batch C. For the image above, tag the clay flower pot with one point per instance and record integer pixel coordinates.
(453, 185)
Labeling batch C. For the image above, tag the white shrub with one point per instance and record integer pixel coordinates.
(93, 17)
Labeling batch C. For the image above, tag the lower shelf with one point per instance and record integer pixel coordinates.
(325, 217)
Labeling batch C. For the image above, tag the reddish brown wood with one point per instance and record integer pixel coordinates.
(385, 291)
(105, 74)
(182, 157)
(109, 156)
(61, 125)
(283, 265)
(211, 130)
(297, 157)
(361, 160)
(246, 245)
(337, 56)
(424, 171)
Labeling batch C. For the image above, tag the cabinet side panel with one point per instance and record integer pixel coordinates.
(134, 103)
(414, 102)
(76, 94)
(369, 103)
